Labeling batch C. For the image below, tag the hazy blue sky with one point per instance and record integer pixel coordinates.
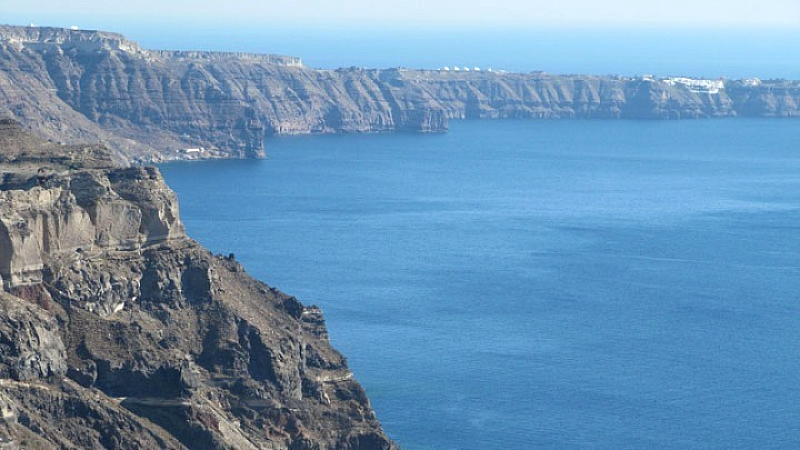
(399, 13)
(730, 38)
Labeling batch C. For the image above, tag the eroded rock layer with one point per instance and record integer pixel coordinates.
(118, 331)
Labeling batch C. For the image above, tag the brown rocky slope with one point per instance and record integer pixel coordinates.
(118, 331)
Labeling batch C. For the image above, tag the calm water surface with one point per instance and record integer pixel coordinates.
(514, 285)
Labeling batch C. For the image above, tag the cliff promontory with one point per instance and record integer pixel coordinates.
(89, 86)
(118, 331)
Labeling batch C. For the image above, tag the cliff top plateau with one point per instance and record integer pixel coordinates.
(117, 331)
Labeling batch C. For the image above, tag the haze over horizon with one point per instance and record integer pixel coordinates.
(693, 38)
(439, 13)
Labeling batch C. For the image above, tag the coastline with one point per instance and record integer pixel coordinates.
(149, 106)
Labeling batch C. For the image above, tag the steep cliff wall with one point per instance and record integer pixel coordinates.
(118, 331)
(122, 209)
(491, 95)
(149, 105)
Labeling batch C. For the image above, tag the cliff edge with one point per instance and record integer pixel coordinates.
(118, 331)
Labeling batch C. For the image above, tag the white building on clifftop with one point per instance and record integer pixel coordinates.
(697, 85)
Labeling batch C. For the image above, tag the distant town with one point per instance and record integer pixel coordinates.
(699, 85)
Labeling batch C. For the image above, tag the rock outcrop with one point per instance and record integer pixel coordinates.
(79, 86)
(118, 331)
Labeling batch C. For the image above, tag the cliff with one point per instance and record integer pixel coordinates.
(118, 331)
(89, 86)
(151, 105)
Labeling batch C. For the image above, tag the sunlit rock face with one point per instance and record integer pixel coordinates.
(88, 210)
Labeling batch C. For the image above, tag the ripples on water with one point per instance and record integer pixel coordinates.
(538, 284)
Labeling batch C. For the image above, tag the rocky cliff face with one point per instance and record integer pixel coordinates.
(488, 95)
(118, 331)
(149, 105)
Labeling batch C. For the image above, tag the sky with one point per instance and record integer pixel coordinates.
(416, 13)
(709, 38)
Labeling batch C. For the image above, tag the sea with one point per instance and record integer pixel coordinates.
(538, 284)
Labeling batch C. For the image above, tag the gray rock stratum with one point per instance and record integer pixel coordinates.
(90, 86)
(117, 331)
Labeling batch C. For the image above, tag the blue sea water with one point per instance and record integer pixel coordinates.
(542, 284)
